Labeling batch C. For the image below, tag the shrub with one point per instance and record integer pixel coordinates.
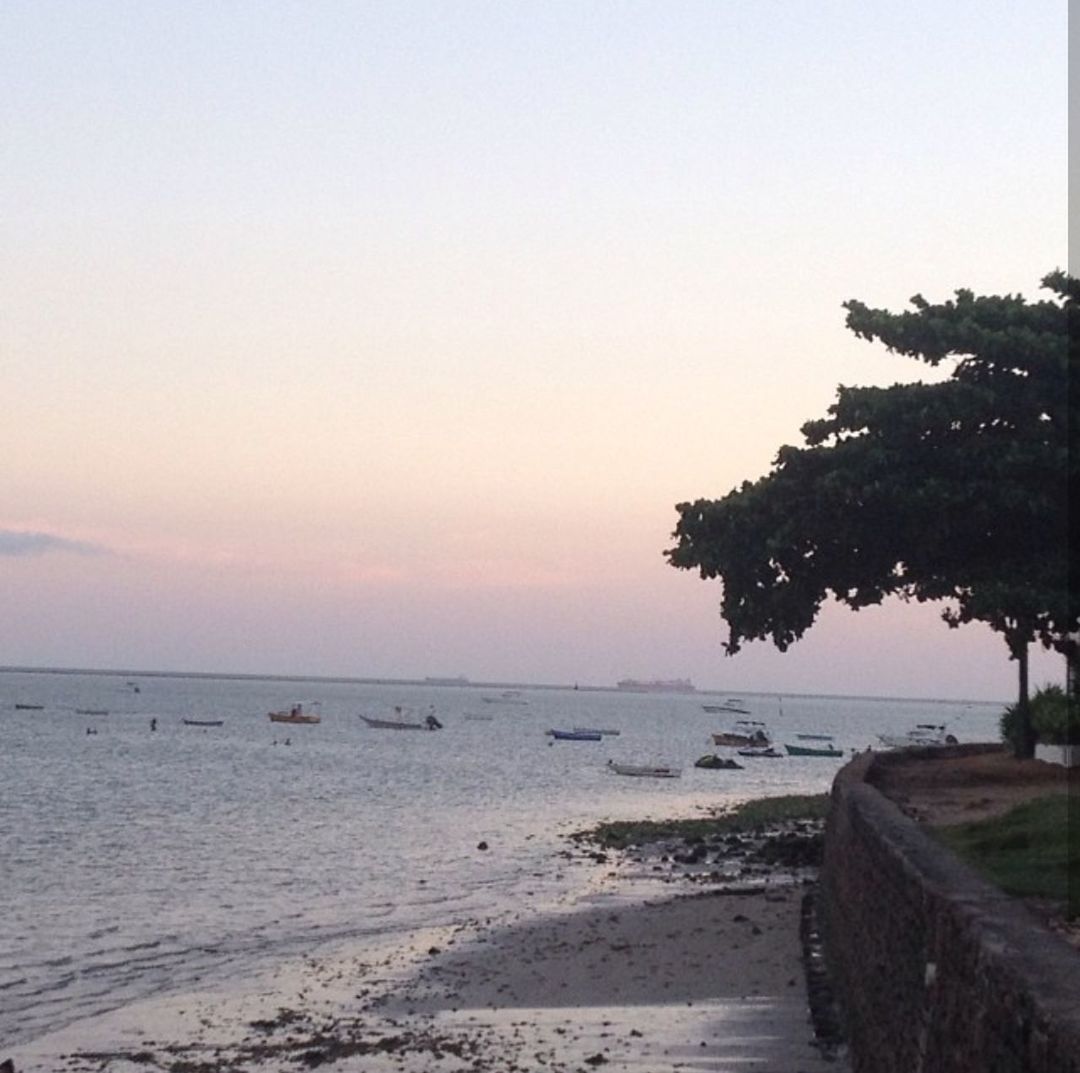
(1010, 726)
(1056, 716)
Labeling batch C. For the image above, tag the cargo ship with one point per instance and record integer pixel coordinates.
(657, 685)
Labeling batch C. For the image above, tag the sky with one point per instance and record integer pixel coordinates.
(381, 339)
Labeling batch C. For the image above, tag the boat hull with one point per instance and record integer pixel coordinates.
(288, 717)
(644, 771)
(394, 724)
(810, 750)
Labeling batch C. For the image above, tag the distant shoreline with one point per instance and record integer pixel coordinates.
(237, 676)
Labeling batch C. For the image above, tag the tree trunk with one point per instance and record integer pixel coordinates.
(1025, 738)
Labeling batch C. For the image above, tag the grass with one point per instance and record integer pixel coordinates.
(1031, 852)
(749, 816)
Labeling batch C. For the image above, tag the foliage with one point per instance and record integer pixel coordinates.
(1012, 727)
(1029, 852)
(744, 818)
(954, 491)
(1056, 716)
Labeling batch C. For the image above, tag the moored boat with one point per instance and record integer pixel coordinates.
(400, 722)
(761, 752)
(203, 722)
(735, 706)
(605, 732)
(645, 771)
(744, 732)
(296, 714)
(575, 735)
(823, 749)
(921, 735)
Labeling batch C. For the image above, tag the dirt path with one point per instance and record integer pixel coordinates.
(940, 791)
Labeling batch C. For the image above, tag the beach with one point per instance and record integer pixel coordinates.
(171, 889)
(673, 968)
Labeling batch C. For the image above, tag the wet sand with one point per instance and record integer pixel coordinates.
(689, 979)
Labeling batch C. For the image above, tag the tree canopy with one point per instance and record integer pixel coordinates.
(956, 490)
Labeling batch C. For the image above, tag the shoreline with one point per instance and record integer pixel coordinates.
(678, 957)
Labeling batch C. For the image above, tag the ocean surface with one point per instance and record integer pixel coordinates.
(139, 863)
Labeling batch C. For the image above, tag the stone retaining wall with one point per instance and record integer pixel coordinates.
(936, 970)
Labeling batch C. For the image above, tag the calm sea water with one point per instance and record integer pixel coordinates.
(137, 862)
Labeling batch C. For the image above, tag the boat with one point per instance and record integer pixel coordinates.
(399, 722)
(814, 737)
(712, 761)
(296, 714)
(656, 685)
(736, 706)
(203, 722)
(91, 711)
(760, 752)
(605, 732)
(645, 771)
(29, 707)
(824, 749)
(744, 732)
(921, 735)
(575, 735)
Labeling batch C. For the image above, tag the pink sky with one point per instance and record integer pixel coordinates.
(382, 340)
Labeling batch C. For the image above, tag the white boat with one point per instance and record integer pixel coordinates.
(922, 735)
(400, 722)
(748, 732)
(507, 696)
(738, 707)
(645, 771)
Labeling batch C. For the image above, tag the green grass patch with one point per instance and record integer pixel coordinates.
(1029, 852)
(741, 819)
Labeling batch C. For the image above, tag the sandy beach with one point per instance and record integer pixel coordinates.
(670, 968)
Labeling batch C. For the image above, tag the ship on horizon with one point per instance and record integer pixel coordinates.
(657, 685)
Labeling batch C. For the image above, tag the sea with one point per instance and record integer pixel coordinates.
(137, 862)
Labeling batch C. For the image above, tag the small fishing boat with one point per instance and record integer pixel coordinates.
(645, 771)
(296, 714)
(575, 735)
(508, 696)
(824, 749)
(400, 722)
(203, 722)
(761, 752)
(921, 735)
(736, 706)
(604, 732)
(718, 763)
(747, 732)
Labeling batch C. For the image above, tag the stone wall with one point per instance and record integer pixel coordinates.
(936, 970)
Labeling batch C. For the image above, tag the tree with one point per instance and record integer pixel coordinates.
(954, 491)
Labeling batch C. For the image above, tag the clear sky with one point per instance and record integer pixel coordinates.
(381, 339)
